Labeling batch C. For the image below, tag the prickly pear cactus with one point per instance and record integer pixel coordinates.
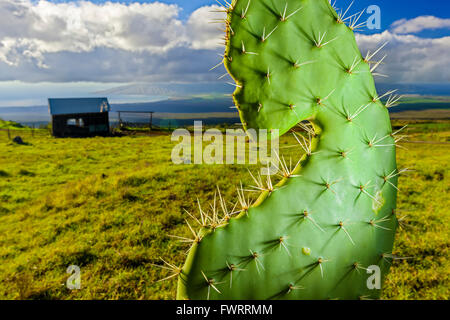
(313, 235)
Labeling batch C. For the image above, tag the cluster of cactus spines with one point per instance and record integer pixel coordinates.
(314, 234)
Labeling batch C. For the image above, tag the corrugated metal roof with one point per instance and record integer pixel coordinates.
(78, 105)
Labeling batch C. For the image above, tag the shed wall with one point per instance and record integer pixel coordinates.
(93, 124)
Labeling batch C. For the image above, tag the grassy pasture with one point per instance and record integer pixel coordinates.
(109, 204)
(5, 125)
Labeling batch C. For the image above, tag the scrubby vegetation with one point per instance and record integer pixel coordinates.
(109, 204)
(10, 125)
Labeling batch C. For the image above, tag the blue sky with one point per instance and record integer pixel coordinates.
(392, 10)
(66, 45)
(188, 5)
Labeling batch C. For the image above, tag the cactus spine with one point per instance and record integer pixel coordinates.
(314, 234)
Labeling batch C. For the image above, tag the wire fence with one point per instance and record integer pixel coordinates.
(10, 134)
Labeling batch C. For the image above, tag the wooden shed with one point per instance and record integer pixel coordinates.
(79, 117)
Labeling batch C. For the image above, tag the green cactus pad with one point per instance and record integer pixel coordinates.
(316, 232)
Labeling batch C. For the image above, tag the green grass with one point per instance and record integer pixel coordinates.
(11, 125)
(109, 204)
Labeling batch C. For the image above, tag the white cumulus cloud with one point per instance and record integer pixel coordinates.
(201, 37)
(53, 38)
(418, 24)
(148, 42)
(410, 59)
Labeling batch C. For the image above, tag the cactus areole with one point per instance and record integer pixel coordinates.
(320, 231)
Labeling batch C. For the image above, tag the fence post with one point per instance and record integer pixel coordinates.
(9, 135)
(151, 120)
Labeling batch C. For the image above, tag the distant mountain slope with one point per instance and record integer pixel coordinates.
(144, 90)
(186, 90)
(199, 105)
(192, 105)
(171, 90)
